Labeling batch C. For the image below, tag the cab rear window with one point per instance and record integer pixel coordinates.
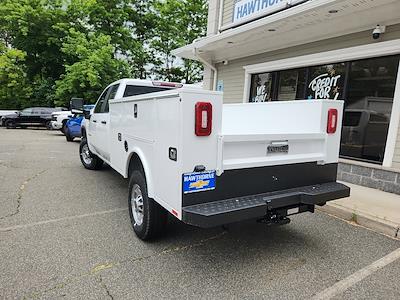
(133, 90)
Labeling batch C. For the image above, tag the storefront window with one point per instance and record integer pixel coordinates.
(370, 95)
(261, 87)
(367, 86)
(326, 82)
(291, 84)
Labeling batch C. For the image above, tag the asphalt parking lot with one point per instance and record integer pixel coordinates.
(65, 233)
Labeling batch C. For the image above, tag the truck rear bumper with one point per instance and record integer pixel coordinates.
(232, 210)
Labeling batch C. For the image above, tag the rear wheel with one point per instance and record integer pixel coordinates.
(148, 218)
(89, 160)
(10, 124)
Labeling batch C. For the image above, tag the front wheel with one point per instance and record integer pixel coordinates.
(89, 160)
(68, 136)
(10, 124)
(148, 218)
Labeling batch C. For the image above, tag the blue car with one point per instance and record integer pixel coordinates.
(73, 126)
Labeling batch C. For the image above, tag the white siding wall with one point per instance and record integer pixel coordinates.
(233, 73)
(228, 12)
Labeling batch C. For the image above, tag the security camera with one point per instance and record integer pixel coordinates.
(376, 33)
(225, 62)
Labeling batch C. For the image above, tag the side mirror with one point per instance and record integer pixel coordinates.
(76, 111)
(86, 114)
(76, 103)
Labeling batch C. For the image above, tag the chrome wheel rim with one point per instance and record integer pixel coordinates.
(137, 204)
(86, 156)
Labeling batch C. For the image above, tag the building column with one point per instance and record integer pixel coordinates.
(212, 29)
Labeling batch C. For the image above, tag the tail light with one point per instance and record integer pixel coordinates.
(332, 121)
(203, 122)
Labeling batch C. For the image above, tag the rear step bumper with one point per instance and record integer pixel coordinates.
(257, 206)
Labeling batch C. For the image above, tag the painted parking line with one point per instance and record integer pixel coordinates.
(356, 277)
(24, 226)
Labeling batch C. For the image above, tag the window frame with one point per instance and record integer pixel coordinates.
(156, 89)
(106, 92)
(106, 105)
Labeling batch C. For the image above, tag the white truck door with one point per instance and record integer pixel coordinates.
(102, 134)
(95, 120)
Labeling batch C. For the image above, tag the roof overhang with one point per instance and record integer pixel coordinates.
(305, 23)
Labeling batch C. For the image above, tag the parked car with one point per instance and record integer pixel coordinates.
(59, 120)
(4, 113)
(209, 164)
(33, 116)
(73, 124)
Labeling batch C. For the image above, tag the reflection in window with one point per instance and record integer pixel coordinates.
(291, 84)
(133, 90)
(99, 105)
(326, 82)
(370, 94)
(27, 111)
(261, 87)
(113, 92)
(370, 86)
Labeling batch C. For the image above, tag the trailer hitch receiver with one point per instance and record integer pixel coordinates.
(274, 218)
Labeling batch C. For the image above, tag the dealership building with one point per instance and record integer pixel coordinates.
(282, 50)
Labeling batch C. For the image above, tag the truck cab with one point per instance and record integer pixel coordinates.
(208, 164)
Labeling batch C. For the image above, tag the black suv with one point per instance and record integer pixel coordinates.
(33, 116)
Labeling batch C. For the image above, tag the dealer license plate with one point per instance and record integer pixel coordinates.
(198, 181)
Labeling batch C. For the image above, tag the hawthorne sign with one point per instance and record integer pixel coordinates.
(246, 10)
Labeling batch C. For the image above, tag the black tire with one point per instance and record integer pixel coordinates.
(94, 163)
(48, 125)
(10, 124)
(155, 217)
(64, 128)
(68, 136)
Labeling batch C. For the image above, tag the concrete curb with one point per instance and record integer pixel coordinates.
(376, 224)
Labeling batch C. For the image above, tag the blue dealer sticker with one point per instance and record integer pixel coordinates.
(198, 181)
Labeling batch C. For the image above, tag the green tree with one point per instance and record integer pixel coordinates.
(95, 67)
(76, 47)
(179, 23)
(142, 22)
(29, 25)
(15, 90)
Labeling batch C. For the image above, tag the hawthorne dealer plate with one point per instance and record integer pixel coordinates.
(198, 181)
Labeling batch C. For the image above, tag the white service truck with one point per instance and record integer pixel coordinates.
(209, 164)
